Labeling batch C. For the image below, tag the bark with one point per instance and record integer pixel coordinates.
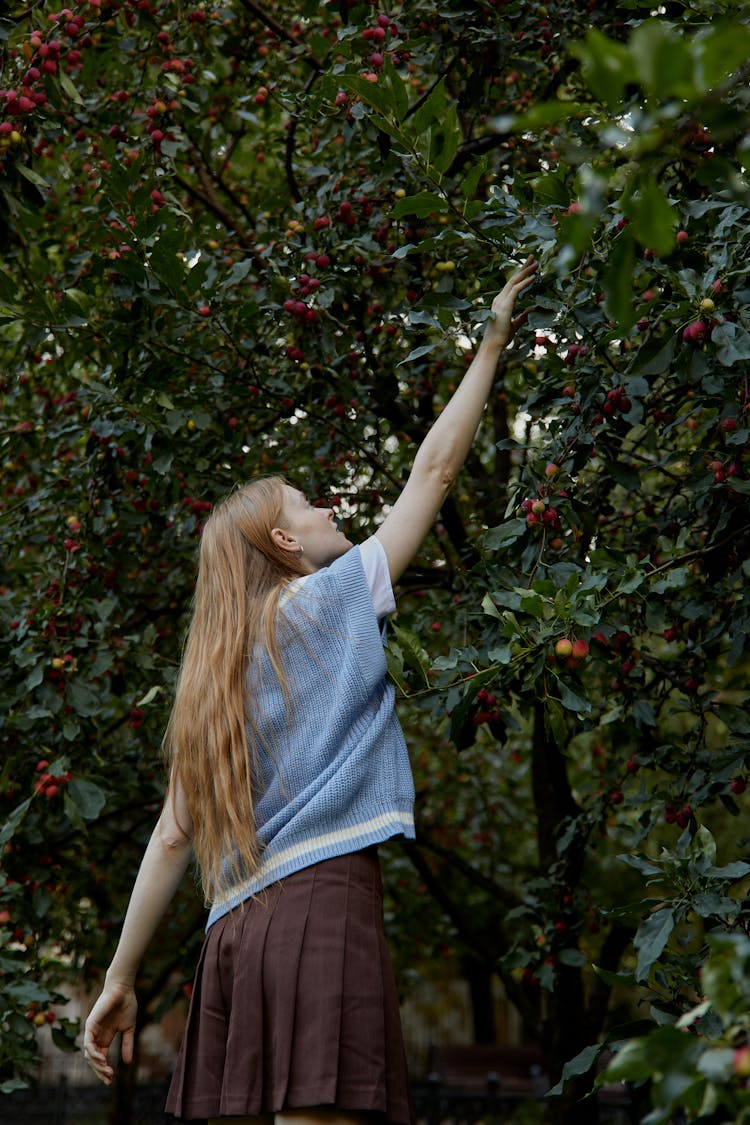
(122, 1102)
(479, 979)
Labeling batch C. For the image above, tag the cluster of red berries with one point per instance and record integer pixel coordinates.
(488, 704)
(337, 407)
(574, 351)
(616, 402)
(723, 472)
(297, 307)
(675, 815)
(573, 653)
(696, 332)
(44, 58)
(376, 36)
(39, 1018)
(49, 784)
(539, 513)
(321, 260)
(197, 506)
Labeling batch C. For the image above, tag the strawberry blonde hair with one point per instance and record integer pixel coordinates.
(211, 740)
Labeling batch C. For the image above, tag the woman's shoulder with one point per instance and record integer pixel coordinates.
(361, 572)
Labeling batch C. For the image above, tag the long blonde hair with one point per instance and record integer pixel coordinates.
(241, 573)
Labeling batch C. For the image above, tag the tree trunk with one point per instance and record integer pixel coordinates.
(122, 1101)
(479, 979)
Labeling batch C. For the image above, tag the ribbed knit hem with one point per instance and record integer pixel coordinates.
(279, 863)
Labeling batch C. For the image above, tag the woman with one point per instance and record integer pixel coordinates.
(287, 769)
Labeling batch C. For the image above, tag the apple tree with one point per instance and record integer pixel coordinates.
(241, 239)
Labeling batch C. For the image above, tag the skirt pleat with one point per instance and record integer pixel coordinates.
(294, 1004)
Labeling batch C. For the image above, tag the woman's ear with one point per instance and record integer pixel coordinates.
(284, 541)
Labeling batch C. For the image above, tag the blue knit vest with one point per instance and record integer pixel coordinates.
(333, 773)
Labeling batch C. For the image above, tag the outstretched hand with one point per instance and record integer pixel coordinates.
(502, 326)
(115, 1011)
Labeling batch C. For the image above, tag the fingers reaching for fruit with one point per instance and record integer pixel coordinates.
(502, 326)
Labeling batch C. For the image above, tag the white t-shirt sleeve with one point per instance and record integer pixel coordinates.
(375, 564)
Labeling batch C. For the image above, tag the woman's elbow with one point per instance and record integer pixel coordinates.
(436, 466)
(173, 836)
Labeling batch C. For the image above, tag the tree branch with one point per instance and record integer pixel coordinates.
(279, 31)
(553, 798)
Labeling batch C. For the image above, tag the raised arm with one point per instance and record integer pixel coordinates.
(162, 868)
(444, 449)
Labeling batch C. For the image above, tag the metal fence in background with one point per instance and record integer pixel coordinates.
(435, 1103)
(68, 1104)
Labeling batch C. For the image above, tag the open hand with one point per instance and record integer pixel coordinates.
(115, 1011)
(502, 326)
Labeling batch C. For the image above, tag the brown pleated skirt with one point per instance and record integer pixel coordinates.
(294, 1004)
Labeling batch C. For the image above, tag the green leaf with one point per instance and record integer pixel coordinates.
(69, 88)
(504, 534)
(662, 60)
(625, 475)
(618, 283)
(653, 218)
(626, 980)
(643, 713)
(541, 115)
(721, 52)
(397, 90)
(656, 357)
(731, 871)
(445, 141)
(571, 701)
(417, 353)
(489, 607)
(580, 1064)
(150, 696)
(83, 698)
(652, 937)
(632, 1063)
(13, 1084)
(33, 177)
(470, 182)
(704, 845)
(573, 957)
(732, 343)
(608, 67)
(423, 203)
(394, 659)
(708, 904)
(87, 797)
(415, 655)
(13, 821)
(377, 95)
(551, 189)
(8, 288)
(26, 992)
(643, 864)
(554, 722)
(432, 109)
(675, 579)
(65, 1040)
(717, 1064)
